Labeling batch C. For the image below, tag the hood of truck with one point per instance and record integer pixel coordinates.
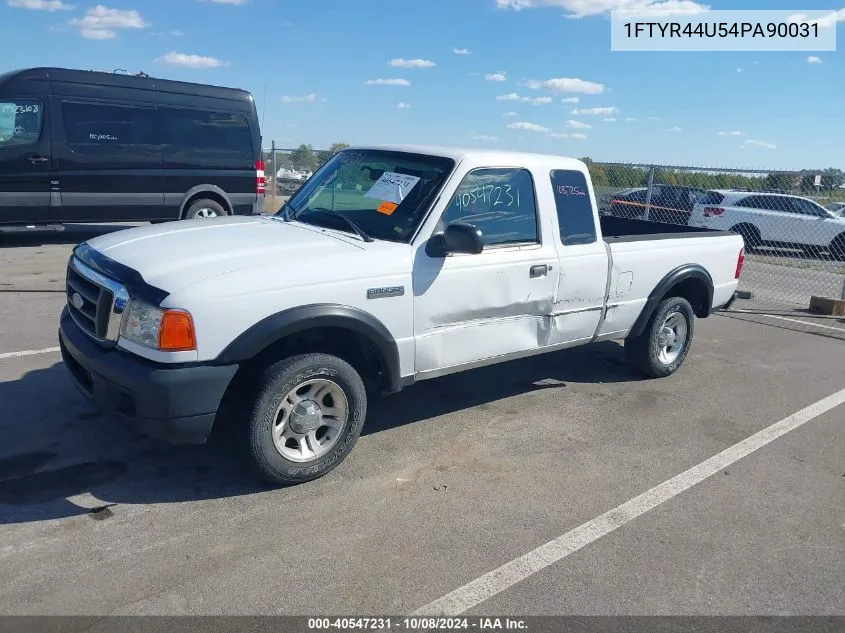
(174, 255)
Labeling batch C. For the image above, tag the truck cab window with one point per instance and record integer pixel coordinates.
(498, 201)
(20, 122)
(574, 208)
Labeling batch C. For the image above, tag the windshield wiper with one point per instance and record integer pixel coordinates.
(334, 214)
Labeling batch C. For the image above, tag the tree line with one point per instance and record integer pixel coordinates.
(624, 176)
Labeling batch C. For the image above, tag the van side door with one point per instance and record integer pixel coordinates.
(108, 157)
(25, 159)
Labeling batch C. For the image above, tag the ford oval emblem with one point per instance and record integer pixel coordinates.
(77, 301)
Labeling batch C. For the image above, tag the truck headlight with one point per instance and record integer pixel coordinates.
(157, 328)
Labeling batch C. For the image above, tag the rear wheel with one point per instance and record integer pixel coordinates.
(664, 343)
(750, 233)
(306, 418)
(204, 208)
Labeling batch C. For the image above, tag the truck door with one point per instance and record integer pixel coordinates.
(25, 160)
(583, 269)
(496, 303)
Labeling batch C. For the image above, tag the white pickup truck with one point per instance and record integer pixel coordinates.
(391, 265)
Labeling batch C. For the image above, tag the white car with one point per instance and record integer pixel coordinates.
(772, 219)
(836, 208)
(429, 261)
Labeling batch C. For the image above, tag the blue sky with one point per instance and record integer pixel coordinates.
(463, 61)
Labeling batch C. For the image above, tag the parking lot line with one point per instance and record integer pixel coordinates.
(492, 583)
(29, 352)
(807, 323)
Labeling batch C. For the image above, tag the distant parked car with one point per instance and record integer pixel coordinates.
(669, 203)
(770, 219)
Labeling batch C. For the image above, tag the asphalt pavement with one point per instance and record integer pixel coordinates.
(451, 479)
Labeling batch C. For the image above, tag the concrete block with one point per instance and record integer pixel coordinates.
(827, 305)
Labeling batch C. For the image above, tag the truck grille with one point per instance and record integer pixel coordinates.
(95, 302)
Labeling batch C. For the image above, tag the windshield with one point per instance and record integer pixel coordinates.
(384, 193)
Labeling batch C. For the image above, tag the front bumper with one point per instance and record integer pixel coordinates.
(176, 404)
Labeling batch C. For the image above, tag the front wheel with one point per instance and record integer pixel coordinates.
(664, 343)
(306, 417)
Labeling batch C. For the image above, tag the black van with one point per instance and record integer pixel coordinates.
(92, 146)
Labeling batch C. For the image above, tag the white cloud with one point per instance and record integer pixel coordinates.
(812, 59)
(499, 76)
(388, 82)
(515, 97)
(98, 34)
(575, 135)
(41, 5)
(191, 61)
(235, 2)
(762, 144)
(627, 8)
(631, 118)
(101, 23)
(594, 111)
(530, 127)
(485, 137)
(824, 22)
(609, 119)
(734, 133)
(578, 125)
(739, 70)
(672, 129)
(411, 63)
(567, 84)
(654, 118)
(303, 99)
(570, 100)
(462, 51)
(403, 106)
(510, 114)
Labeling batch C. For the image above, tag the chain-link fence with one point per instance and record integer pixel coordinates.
(793, 222)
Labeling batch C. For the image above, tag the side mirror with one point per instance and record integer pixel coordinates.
(457, 238)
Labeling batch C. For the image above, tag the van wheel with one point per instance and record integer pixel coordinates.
(662, 347)
(306, 418)
(204, 208)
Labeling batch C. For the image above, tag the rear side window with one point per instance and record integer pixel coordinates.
(20, 122)
(711, 197)
(498, 201)
(574, 208)
(91, 126)
(200, 136)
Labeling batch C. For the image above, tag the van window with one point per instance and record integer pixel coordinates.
(574, 207)
(203, 137)
(92, 126)
(20, 121)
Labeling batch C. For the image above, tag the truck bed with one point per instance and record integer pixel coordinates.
(615, 229)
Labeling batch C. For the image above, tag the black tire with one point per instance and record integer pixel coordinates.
(837, 248)
(750, 233)
(643, 352)
(276, 383)
(197, 207)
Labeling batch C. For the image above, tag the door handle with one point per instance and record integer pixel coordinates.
(538, 270)
(38, 160)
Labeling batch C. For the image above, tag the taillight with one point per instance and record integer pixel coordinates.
(739, 262)
(710, 212)
(260, 180)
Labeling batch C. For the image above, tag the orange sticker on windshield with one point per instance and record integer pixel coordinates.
(387, 208)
